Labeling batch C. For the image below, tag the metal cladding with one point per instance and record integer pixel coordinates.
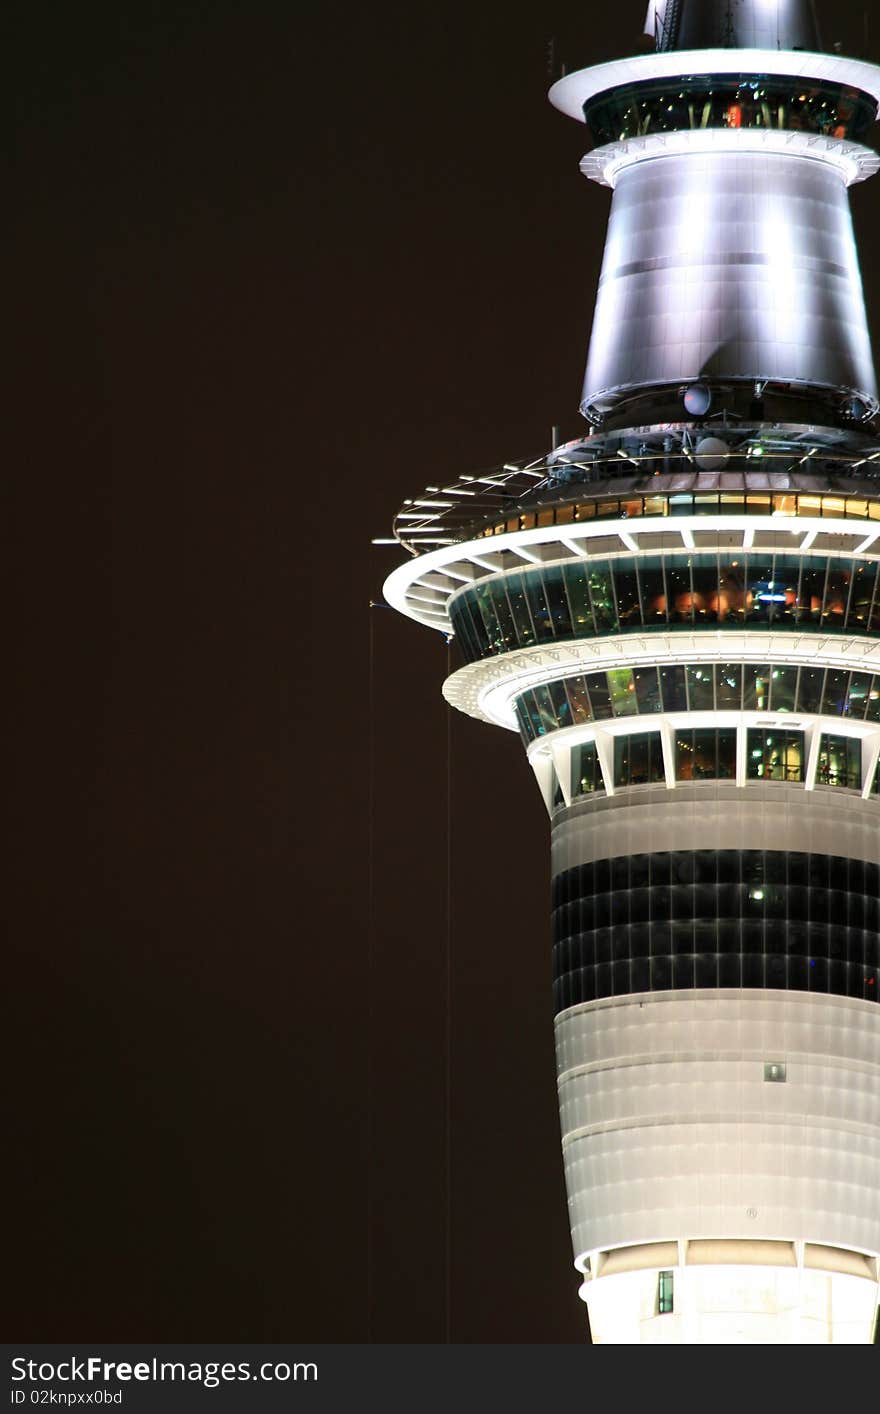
(735, 24)
(729, 267)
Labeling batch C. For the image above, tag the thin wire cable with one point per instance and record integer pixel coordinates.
(371, 837)
(448, 1009)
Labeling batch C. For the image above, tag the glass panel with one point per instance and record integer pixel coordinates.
(579, 699)
(783, 689)
(811, 594)
(840, 762)
(872, 712)
(623, 692)
(537, 725)
(602, 597)
(491, 625)
(560, 703)
(523, 721)
(638, 760)
(728, 686)
(834, 696)
(673, 691)
(810, 689)
(600, 697)
(557, 600)
(521, 617)
(774, 755)
(678, 584)
(585, 774)
(862, 596)
(836, 596)
(763, 596)
(538, 607)
(727, 754)
(756, 687)
(732, 592)
(629, 608)
(705, 581)
(729, 101)
(579, 599)
(502, 610)
(786, 579)
(701, 688)
(647, 689)
(653, 592)
(462, 626)
(545, 709)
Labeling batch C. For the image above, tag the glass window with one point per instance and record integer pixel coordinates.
(705, 581)
(545, 709)
(774, 755)
(470, 641)
(519, 608)
(836, 602)
(629, 607)
(503, 614)
(579, 599)
(811, 594)
(756, 687)
(862, 596)
(638, 760)
(529, 707)
(538, 607)
(491, 626)
(834, 696)
(602, 597)
(840, 762)
(728, 686)
(673, 691)
(783, 688)
(560, 703)
(583, 599)
(579, 699)
(622, 689)
(653, 592)
(647, 690)
(678, 583)
(749, 918)
(763, 596)
(732, 592)
(586, 777)
(701, 688)
(774, 102)
(600, 697)
(810, 689)
(557, 600)
(705, 754)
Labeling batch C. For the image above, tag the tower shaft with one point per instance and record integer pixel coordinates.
(680, 613)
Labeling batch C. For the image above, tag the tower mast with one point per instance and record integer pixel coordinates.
(680, 613)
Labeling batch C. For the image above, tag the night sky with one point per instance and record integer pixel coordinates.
(274, 268)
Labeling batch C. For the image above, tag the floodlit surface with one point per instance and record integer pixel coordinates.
(741, 267)
(749, 1305)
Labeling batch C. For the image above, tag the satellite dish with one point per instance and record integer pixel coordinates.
(711, 453)
(697, 399)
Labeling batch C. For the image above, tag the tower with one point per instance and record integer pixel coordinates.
(680, 613)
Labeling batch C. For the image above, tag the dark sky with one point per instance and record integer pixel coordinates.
(276, 267)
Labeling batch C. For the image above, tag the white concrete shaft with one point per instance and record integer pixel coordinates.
(671, 1132)
(733, 1305)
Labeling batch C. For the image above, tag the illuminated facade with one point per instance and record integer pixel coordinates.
(680, 613)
